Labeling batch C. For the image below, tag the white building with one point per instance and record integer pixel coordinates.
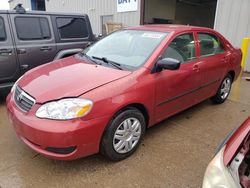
(229, 17)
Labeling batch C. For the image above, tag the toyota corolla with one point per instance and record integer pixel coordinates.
(104, 98)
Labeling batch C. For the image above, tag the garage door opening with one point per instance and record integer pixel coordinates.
(187, 12)
(38, 5)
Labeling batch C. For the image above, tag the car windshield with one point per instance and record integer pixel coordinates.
(128, 48)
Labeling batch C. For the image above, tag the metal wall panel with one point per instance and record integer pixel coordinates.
(95, 9)
(233, 21)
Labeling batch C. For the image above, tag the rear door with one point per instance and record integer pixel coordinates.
(34, 38)
(72, 31)
(9, 68)
(214, 59)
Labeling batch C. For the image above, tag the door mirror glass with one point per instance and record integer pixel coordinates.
(168, 63)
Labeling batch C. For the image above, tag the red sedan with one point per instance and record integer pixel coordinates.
(104, 98)
(231, 165)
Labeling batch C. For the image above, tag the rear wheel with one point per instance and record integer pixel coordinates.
(223, 91)
(123, 135)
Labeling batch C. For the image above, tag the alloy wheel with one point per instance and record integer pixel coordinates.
(225, 88)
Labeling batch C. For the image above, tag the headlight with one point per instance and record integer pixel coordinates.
(15, 84)
(217, 174)
(65, 109)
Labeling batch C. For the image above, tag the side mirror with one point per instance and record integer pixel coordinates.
(167, 63)
(98, 37)
(88, 44)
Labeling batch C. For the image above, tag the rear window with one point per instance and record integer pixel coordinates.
(2, 30)
(32, 28)
(72, 28)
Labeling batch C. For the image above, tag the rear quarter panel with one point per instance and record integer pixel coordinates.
(234, 58)
(235, 62)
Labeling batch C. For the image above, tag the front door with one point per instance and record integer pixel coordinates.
(177, 90)
(34, 38)
(9, 67)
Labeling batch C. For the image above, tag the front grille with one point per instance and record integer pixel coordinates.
(23, 100)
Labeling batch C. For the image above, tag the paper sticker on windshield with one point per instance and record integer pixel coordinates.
(152, 35)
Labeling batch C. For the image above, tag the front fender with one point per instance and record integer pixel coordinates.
(132, 89)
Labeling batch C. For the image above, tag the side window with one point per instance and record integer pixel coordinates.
(45, 28)
(72, 28)
(32, 28)
(209, 44)
(181, 48)
(2, 30)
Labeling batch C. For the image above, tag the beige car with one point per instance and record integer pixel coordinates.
(230, 168)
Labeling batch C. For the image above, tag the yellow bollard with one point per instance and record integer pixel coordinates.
(235, 95)
(244, 48)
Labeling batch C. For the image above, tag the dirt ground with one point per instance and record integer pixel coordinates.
(174, 153)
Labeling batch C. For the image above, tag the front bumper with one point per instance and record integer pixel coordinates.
(63, 140)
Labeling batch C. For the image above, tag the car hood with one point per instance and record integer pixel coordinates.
(69, 77)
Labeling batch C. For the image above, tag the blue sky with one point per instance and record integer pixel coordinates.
(4, 5)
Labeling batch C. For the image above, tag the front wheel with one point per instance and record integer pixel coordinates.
(123, 135)
(223, 91)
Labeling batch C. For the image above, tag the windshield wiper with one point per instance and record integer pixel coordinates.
(89, 58)
(105, 60)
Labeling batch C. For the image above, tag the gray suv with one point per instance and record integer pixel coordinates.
(29, 39)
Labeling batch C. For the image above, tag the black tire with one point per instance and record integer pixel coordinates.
(219, 97)
(107, 143)
(4, 93)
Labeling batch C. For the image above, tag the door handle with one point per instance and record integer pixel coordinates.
(196, 68)
(45, 48)
(5, 51)
(21, 51)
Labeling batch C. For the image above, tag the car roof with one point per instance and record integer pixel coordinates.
(169, 28)
(41, 13)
